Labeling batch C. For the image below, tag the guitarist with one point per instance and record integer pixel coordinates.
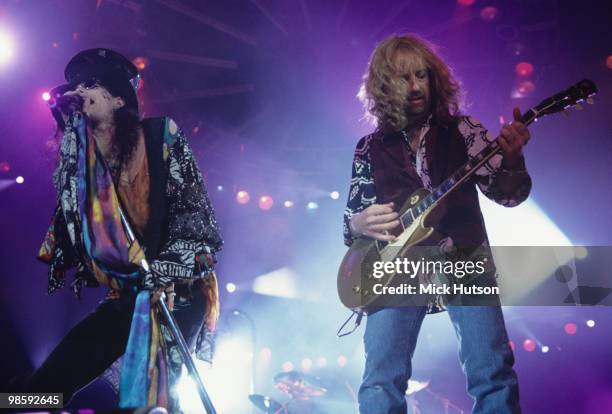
(420, 139)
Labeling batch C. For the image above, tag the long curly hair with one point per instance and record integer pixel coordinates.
(383, 91)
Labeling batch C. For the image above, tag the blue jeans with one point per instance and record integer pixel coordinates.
(390, 339)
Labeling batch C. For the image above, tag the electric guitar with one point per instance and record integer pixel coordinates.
(356, 274)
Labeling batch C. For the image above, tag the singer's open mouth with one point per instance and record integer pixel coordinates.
(91, 101)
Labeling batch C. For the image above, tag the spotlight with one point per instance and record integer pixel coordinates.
(609, 62)
(312, 205)
(306, 364)
(19, 180)
(5, 167)
(46, 96)
(265, 353)
(242, 197)
(288, 203)
(524, 69)
(334, 195)
(570, 328)
(265, 202)
(525, 88)
(230, 287)
(140, 62)
(466, 2)
(590, 323)
(489, 13)
(581, 252)
(6, 48)
(321, 362)
(545, 349)
(529, 345)
(341, 360)
(219, 188)
(287, 366)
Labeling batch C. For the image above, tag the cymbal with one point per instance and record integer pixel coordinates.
(265, 403)
(299, 385)
(416, 386)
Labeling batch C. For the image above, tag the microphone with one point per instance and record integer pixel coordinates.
(62, 106)
(66, 104)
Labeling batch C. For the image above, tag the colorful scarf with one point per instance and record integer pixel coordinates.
(115, 261)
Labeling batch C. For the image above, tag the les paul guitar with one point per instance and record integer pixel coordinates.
(356, 273)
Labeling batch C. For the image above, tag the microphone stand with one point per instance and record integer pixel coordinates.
(176, 333)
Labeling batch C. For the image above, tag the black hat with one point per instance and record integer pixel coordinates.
(114, 71)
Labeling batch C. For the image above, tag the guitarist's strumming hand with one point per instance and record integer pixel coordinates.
(512, 139)
(375, 222)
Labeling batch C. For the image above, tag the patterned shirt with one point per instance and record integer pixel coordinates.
(362, 192)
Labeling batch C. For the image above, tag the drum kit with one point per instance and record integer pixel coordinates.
(302, 390)
(305, 391)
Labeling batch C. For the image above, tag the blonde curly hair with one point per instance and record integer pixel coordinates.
(383, 91)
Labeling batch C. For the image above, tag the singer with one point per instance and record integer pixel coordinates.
(110, 159)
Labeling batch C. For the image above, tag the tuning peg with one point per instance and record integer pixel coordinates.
(590, 101)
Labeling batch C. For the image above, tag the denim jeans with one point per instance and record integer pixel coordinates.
(486, 358)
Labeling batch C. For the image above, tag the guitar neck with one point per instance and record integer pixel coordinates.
(462, 174)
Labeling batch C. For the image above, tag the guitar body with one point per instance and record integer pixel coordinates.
(357, 267)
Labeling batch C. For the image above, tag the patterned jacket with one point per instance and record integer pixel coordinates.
(182, 236)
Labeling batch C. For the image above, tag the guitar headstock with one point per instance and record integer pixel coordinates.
(570, 97)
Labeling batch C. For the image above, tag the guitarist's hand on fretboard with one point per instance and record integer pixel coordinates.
(512, 138)
(375, 222)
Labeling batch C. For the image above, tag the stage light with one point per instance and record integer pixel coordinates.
(6, 48)
(279, 283)
(341, 360)
(5, 167)
(570, 328)
(230, 287)
(545, 349)
(581, 252)
(46, 96)
(265, 353)
(312, 205)
(525, 88)
(524, 69)
(590, 323)
(140, 62)
(466, 2)
(306, 364)
(287, 366)
(334, 195)
(265, 202)
(242, 197)
(489, 13)
(609, 62)
(288, 203)
(219, 188)
(321, 362)
(19, 180)
(529, 345)
(233, 354)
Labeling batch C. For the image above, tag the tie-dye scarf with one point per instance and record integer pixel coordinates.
(115, 261)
